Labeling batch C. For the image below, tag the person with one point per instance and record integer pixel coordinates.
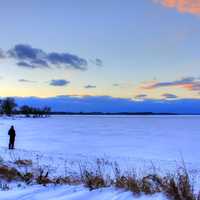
(12, 135)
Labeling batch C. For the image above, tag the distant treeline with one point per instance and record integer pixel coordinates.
(9, 107)
(110, 113)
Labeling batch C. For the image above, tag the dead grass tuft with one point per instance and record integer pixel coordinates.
(23, 162)
(9, 174)
(176, 186)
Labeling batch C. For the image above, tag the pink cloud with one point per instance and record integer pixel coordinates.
(183, 6)
(188, 83)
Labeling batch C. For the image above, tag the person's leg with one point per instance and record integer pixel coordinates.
(11, 143)
(9, 146)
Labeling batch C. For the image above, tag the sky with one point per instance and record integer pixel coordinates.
(122, 51)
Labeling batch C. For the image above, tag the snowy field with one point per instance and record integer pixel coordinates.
(132, 141)
(163, 138)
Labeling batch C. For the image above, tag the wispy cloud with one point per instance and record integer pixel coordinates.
(90, 86)
(97, 62)
(189, 83)
(59, 82)
(30, 65)
(26, 81)
(116, 84)
(182, 6)
(140, 96)
(169, 96)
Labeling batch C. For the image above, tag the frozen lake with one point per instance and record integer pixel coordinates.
(146, 137)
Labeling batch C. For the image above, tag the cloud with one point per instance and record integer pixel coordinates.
(59, 82)
(189, 83)
(30, 65)
(112, 104)
(25, 64)
(39, 63)
(140, 96)
(26, 52)
(195, 86)
(182, 6)
(169, 96)
(29, 57)
(68, 60)
(90, 86)
(32, 58)
(97, 62)
(26, 81)
(116, 84)
(2, 55)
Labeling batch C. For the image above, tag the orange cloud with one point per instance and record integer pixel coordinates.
(188, 83)
(183, 6)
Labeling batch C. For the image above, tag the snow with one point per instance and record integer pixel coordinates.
(148, 138)
(132, 141)
(143, 136)
(71, 193)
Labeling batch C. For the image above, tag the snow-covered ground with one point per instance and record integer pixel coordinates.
(132, 141)
(71, 193)
(147, 138)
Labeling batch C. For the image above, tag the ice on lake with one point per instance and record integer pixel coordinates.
(165, 138)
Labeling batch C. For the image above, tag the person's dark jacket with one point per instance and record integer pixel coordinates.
(11, 133)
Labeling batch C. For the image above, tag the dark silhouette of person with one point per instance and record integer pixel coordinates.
(12, 135)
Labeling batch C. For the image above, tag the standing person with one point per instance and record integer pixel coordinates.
(12, 135)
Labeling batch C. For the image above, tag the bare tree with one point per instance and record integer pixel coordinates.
(8, 106)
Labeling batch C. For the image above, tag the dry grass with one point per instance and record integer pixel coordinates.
(175, 186)
(27, 177)
(68, 180)
(23, 162)
(178, 187)
(43, 178)
(9, 174)
(138, 185)
(93, 180)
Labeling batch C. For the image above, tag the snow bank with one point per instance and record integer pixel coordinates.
(70, 193)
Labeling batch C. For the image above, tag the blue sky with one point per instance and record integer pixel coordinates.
(139, 50)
